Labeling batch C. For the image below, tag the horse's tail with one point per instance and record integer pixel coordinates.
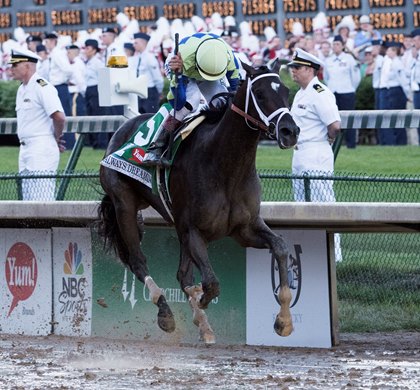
(107, 228)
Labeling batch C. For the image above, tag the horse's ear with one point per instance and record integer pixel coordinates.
(248, 69)
(274, 65)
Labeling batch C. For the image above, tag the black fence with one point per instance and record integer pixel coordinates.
(277, 186)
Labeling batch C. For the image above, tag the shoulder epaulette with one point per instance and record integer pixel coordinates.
(41, 82)
(318, 88)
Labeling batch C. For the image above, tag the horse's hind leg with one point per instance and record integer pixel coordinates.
(186, 279)
(259, 235)
(126, 214)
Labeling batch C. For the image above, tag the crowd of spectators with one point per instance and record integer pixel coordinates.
(350, 52)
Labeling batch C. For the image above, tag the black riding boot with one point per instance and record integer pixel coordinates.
(154, 152)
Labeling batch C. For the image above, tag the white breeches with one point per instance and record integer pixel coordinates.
(196, 89)
(314, 158)
(38, 155)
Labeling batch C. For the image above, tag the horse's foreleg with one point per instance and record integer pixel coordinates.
(260, 235)
(185, 277)
(283, 324)
(199, 316)
(193, 244)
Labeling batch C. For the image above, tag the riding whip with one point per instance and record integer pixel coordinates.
(172, 134)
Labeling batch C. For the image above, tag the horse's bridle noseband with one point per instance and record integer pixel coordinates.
(266, 125)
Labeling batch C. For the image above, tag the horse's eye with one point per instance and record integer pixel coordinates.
(259, 94)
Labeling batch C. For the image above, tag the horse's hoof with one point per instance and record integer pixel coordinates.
(166, 319)
(167, 324)
(283, 327)
(210, 291)
(208, 337)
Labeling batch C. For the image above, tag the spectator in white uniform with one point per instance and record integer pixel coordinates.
(342, 75)
(145, 63)
(43, 65)
(111, 48)
(77, 83)
(394, 89)
(40, 123)
(93, 64)
(59, 75)
(60, 70)
(376, 75)
(315, 111)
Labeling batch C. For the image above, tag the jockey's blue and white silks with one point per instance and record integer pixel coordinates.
(187, 49)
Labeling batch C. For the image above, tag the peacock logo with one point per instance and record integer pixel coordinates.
(73, 260)
(73, 297)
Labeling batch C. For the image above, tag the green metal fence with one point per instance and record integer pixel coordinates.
(378, 279)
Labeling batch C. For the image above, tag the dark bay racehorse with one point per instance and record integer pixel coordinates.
(215, 192)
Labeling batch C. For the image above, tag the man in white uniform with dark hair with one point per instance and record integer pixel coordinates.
(342, 75)
(316, 113)
(145, 63)
(40, 124)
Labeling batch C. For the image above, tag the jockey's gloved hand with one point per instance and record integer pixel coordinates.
(218, 102)
(183, 112)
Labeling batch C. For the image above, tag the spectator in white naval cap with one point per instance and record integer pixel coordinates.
(316, 113)
(40, 123)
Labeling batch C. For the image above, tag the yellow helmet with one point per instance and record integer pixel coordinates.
(212, 58)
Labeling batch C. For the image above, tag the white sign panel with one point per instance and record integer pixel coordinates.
(309, 284)
(25, 281)
(72, 254)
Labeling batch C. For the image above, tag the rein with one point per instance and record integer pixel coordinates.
(249, 118)
(264, 123)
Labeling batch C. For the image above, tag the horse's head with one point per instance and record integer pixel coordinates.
(265, 99)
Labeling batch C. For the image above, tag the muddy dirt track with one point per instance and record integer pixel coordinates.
(368, 361)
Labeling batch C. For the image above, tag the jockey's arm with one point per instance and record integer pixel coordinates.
(233, 81)
(232, 73)
(179, 88)
(178, 82)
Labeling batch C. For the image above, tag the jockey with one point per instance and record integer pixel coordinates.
(202, 66)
